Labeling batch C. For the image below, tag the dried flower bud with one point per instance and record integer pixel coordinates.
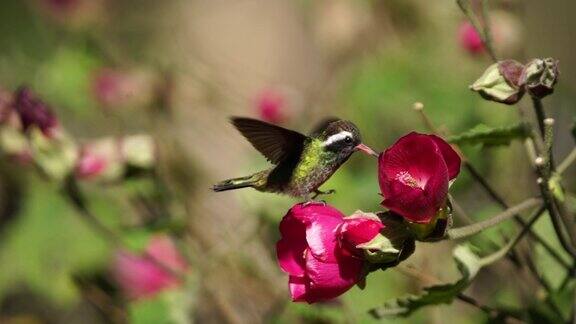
(501, 82)
(539, 77)
(33, 112)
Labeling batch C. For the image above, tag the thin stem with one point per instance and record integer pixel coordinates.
(73, 194)
(419, 107)
(473, 229)
(485, 36)
(558, 212)
(567, 162)
(488, 31)
(500, 201)
(540, 115)
(502, 252)
(546, 285)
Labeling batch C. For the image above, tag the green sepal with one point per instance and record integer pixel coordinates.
(436, 229)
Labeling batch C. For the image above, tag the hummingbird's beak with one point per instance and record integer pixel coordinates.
(365, 149)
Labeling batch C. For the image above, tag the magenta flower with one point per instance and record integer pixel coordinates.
(414, 176)
(140, 276)
(90, 165)
(271, 106)
(320, 267)
(33, 112)
(469, 39)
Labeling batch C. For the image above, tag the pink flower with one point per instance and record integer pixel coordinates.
(90, 165)
(121, 88)
(469, 39)
(271, 105)
(319, 265)
(142, 276)
(33, 112)
(414, 176)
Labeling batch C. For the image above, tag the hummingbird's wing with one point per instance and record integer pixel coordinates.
(274, 142)
(321, 126)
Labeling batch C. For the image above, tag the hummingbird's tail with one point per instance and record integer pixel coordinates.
(235, 183)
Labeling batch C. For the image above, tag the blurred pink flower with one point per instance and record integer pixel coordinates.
(90, 165)
(271, 106)
(469, 39)
(320, 268)
(64, 5)
(115, 87)
(110, 87)
(73, 13)
(141, 276)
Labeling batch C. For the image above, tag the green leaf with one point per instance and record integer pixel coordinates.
(490, 136)
(468, 264)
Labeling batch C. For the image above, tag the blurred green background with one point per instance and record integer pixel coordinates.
(367, 61)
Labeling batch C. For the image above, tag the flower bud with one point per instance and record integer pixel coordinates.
(469, 39)
(100, 160)
(138, 151)
(56, 156)
(271, 106)
(116, 88)
(33, 112)
(540, 76)
(501, 82)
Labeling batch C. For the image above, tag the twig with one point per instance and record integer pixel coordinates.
(546, 285)
(469, 230)
(74, 195)
(510, 245)
(567, 162)
(500, 201)
(482, 32)
(419, 107)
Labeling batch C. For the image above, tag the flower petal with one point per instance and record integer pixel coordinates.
(298, 287)
(418, 158)
(290, 249)
(321, 237)
(358, 230)
(452, 159)
(330, 280)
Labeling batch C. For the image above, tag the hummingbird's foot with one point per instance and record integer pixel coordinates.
(327, 192)
(314, 202)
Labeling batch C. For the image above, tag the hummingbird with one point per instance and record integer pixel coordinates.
(301, 163)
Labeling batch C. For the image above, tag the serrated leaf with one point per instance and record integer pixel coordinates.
(468, 265)
(490, 136)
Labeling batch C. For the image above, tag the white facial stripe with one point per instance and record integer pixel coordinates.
(337, 137)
